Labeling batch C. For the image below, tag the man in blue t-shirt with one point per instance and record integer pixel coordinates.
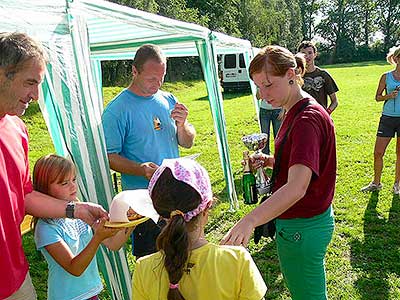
(142, 126)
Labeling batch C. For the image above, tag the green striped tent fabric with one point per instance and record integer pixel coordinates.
(70, 105)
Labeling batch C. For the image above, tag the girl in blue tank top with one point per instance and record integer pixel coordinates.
(389, 124)
(392, 106)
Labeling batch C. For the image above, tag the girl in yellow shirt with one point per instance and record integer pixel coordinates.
(187, 266)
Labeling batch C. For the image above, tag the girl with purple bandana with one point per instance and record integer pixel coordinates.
(187, 266)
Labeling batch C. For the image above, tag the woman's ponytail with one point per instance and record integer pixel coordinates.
(174, 243)
(172, 199)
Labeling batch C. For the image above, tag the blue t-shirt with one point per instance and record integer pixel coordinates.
(391, 107)
(61, 284)
(140, 129)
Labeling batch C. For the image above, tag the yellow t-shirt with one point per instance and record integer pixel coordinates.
(212, 272)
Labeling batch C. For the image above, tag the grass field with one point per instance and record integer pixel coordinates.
(363, 260)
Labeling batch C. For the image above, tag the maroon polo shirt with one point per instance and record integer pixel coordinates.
(311, 143)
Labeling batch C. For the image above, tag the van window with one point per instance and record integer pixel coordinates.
(230, 61)
(241, 61)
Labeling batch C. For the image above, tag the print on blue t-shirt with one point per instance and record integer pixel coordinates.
(140, 129)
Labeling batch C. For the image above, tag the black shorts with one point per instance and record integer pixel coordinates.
(388, 126)
(144, 237)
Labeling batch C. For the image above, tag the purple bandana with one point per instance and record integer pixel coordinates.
(190, 172)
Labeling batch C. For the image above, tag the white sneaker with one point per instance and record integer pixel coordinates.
(372, 187)
(396, 188)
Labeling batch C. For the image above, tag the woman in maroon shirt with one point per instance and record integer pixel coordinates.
(304, 187)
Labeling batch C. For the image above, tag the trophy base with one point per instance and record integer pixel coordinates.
(263, 190)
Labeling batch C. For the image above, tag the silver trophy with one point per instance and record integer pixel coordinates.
(256, 142)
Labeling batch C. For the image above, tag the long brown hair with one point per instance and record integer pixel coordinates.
(49, 169)
(276, 60)
(168, 195)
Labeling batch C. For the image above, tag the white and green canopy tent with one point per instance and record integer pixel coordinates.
(80, 34)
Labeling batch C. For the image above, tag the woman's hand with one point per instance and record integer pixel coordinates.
(393, 94)
(240, 233)
(299, 178)
(258, 160)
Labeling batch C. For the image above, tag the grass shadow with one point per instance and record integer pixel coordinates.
(223, 194)
(264, 253)
(377, 256)
(231, 95)
(227, 96)
(266, 258)
(358, 64)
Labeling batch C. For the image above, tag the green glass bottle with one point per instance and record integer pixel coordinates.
(248, 182)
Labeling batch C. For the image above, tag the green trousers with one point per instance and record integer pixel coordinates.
(301, 245)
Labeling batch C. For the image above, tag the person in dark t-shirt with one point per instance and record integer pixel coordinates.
(318, 82)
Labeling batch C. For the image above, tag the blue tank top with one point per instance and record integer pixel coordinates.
(391, 107)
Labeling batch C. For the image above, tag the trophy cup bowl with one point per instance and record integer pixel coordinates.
(256, 142)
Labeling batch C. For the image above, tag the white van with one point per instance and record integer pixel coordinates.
(233, 73)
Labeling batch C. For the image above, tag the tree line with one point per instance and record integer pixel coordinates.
(345, 30)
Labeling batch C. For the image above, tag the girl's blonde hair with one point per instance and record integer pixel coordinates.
(49, 169)
(393, 53)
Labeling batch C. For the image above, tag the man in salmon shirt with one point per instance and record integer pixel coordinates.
(22, 68)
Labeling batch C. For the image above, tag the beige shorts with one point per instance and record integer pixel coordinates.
(25, 292)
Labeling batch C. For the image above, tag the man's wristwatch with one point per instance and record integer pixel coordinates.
(70, 210)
